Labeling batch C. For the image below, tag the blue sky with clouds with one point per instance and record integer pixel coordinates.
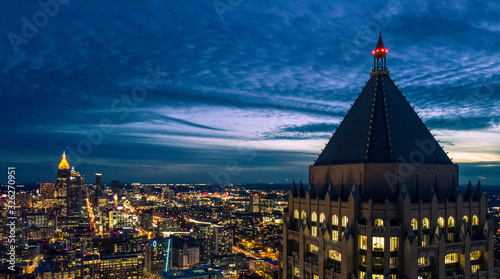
(234, 90)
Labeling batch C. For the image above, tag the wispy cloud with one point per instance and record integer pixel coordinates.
(273, 77)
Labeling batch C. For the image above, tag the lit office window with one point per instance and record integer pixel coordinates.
(378, 243)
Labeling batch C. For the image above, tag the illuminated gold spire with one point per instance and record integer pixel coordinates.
(64, 163)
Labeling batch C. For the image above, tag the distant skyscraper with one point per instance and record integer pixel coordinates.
(185, 252)
(383, 200)
(115, 186)
(98, 181)
(155, 255)
(68, 189)
(63, 175)
(136, 190)
(254, 203)
(224, 241)
(47, 191)
(74, 194)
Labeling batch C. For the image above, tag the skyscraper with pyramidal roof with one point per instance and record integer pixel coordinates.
(383, 200)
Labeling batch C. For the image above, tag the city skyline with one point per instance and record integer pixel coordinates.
(235, 91)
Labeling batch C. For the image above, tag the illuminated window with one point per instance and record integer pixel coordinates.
(334, 255)
(475, 255)
(424, 261)
(314, 217)
(345, 220)
(378, 223)
(314, 231)
(425, 232)
(465, 219)
(451, 258)
(334, 260)
(362, 260)
(451, 222)
(335, 228)
(414, 224)
(475, 221)
(322, 218)
(335, 234)
(363, 242)
(314, 228)
(451, 229)
(296, 214)
(425, 223)
(394, 262)
(378, 243)
(316, 276)
(441, 222)
(335, 220)
(303, 215)
(394, 243)
(423, 268)
(313, 248)
(296, 272)
(475, 261)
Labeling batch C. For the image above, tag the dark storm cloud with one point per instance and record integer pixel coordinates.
(271, 71)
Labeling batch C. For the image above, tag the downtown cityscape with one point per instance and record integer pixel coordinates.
(250, 140)
(70, 229)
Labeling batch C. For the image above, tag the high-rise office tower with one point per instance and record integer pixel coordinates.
(74, 192)
(68, 190)
(63, 175)
(47, 191)
(136, 189)
(98, 181)
(383, 200)
(254, 203)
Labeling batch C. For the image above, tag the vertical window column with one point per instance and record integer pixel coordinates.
(425, 232)
(335, 228)
(378, 248)
(394, 255)
(363, 246)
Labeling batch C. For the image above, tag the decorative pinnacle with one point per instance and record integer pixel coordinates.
(380, 49)
(379, 61)
(64, 163)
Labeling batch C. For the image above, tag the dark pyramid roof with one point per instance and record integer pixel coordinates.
(381, 127)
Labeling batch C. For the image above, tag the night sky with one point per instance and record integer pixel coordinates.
(234, 91)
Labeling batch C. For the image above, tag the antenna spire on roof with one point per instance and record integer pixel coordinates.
(379, 62)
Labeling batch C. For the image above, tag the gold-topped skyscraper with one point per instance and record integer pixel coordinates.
(383, 200)
(68, 189)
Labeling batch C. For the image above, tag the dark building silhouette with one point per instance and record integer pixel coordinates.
(98, 184)
(115, 186)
